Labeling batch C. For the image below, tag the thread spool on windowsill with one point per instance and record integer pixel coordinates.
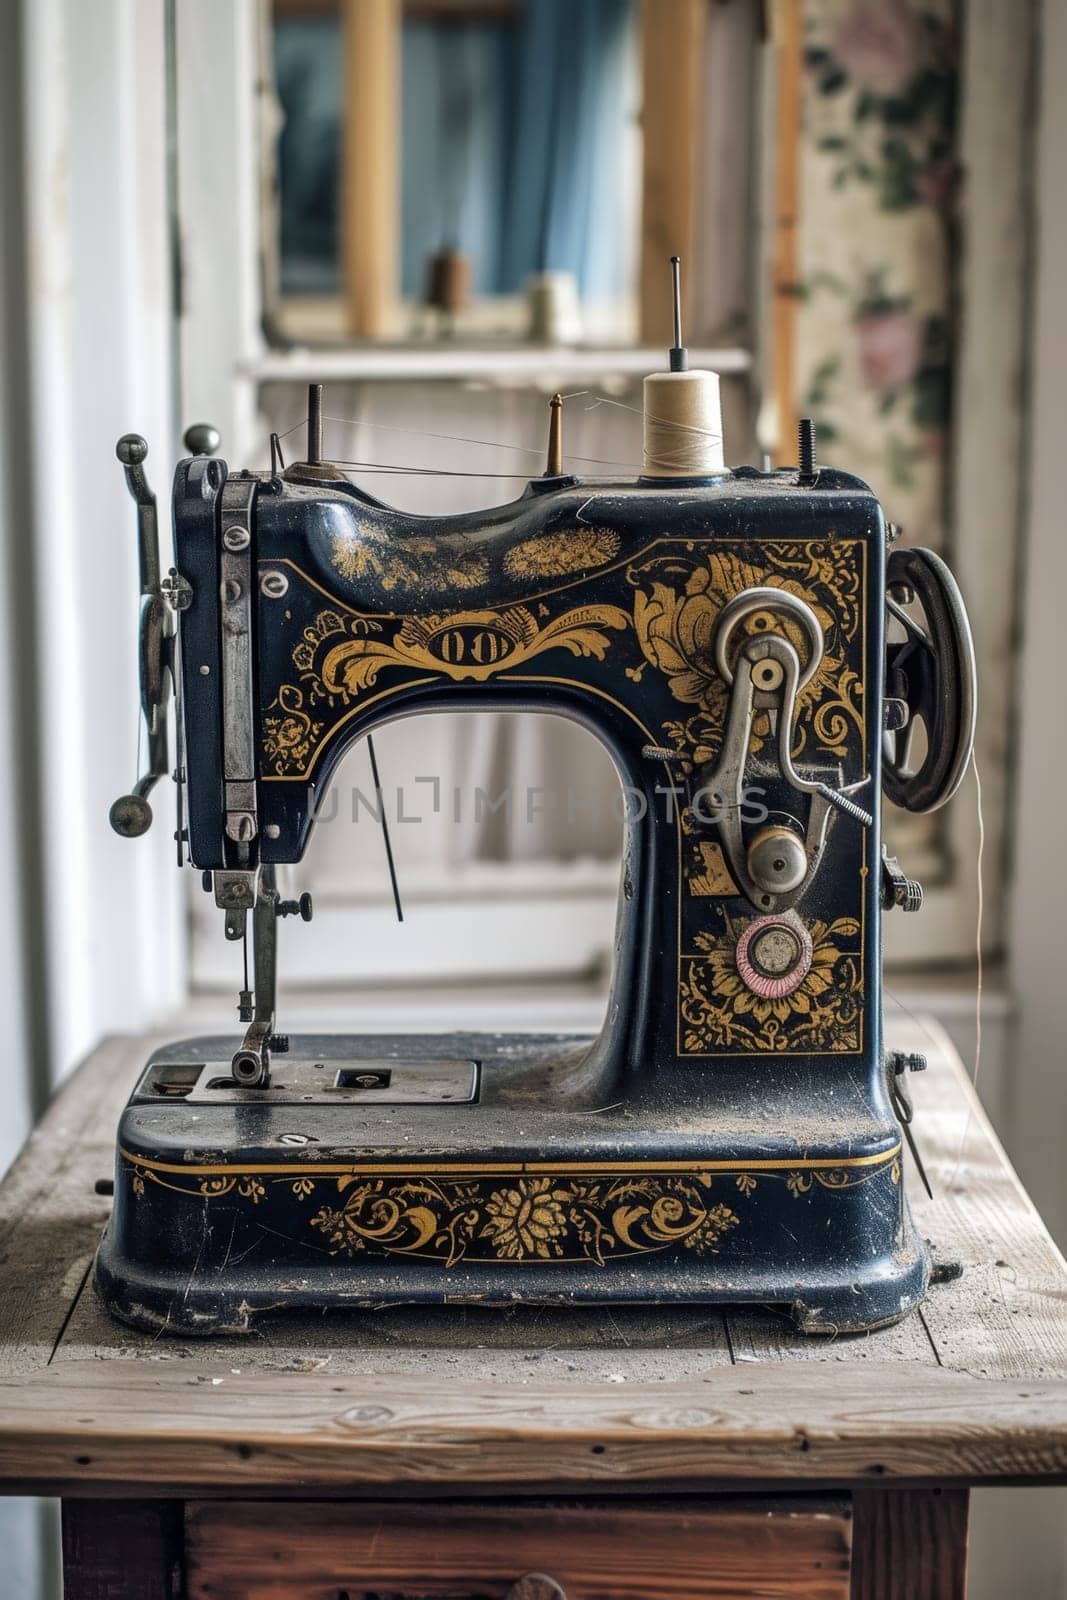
(683, 425)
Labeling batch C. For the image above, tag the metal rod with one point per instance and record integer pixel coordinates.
(676, 285)
(385, 829)
(250, 1066)
(554, 465)
(314, 449)
(678, 354)
(917, 1158)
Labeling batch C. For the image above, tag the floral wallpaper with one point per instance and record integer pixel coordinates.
(876, 245)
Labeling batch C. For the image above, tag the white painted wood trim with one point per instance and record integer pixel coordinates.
(98, 330)
(220, 336)
(481, 924)
(1038, 1106)
(513, 365)
(986, 464)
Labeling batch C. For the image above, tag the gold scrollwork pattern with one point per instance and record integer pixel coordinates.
(558, 1216)
(471, 645)
(340, 656)
(289, 733)
(527, 1219)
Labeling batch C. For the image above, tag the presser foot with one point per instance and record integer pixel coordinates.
(428, 1170)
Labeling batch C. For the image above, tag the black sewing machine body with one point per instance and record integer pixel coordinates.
(732, 1135)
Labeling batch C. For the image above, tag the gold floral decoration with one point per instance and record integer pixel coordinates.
(412, 562)
(676, 606)
(551, 555)
(289, 734)
(562, 1216)
(823, 1012)
(529, 1219)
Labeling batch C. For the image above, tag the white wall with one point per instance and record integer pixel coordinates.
(85, 336)
(1019, 1540)
(1038, 1122)
(98, 318)
(23, 1082)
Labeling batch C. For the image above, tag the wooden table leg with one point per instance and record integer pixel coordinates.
(909, 1544)
(114, 1548)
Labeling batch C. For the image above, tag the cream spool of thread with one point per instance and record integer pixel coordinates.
(683, 425)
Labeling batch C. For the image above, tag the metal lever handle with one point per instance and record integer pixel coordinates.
(131, 814)
(767, 673)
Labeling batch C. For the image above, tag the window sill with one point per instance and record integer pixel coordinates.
(503, 365)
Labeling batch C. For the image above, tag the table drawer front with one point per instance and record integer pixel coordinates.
(714, 1549)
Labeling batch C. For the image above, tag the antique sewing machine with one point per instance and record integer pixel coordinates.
(760, 663)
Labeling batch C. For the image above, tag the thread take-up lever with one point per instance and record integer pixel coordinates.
(765, 674)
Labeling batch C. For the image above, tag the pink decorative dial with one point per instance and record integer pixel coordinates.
(773, 956)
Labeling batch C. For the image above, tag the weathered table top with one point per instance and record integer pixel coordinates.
(971, 1388)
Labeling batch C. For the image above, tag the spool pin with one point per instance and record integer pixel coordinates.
(683, 411)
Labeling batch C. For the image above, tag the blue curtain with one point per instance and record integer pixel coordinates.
(513, 144)
(514, 138)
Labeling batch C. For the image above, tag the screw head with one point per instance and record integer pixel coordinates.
(237, 538)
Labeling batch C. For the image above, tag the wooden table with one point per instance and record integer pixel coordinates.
(445, 1451)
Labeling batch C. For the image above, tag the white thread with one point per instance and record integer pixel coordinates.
(979, 973)
(683, 425)
(680, 464)
(459, 438)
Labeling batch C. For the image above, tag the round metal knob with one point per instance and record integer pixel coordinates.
(131, 449)
(777, 861)
(130, 816)
(773, 955)
(201, 439)
(302, 908)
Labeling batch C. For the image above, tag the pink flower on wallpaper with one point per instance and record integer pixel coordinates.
(890, 347)
(879, 43)
(938, 183)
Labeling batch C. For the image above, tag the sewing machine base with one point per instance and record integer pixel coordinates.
(229, 1204)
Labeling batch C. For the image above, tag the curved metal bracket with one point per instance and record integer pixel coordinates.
(131, 814)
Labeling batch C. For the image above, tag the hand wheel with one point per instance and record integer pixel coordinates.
(932, 672)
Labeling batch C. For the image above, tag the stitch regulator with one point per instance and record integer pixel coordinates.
(760, 662)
